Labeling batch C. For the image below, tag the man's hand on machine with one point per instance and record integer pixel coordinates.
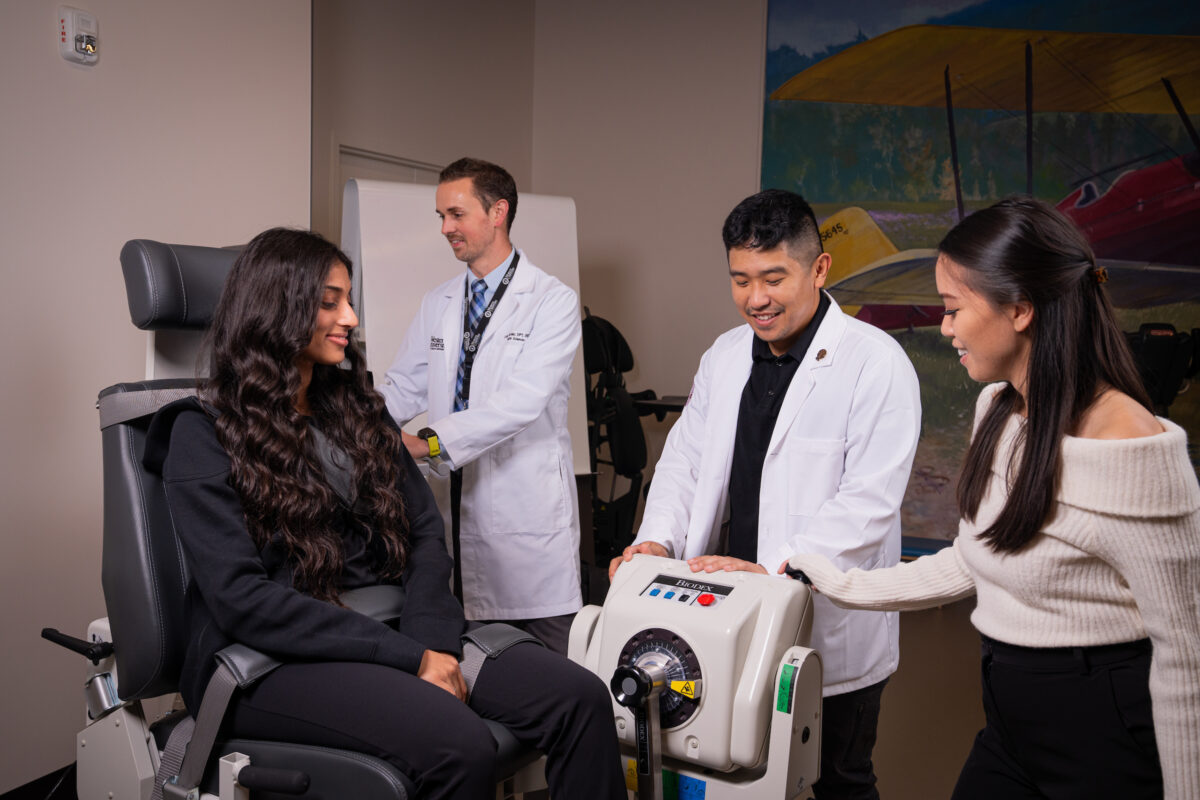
(441, 669)
(652, 548)
(724, 564)
(418, 448)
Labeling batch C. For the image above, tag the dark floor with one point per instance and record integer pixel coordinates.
(58, 785)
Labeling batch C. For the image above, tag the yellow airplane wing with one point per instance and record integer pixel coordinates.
(1089, 72)
(901, 279)
(854, 241)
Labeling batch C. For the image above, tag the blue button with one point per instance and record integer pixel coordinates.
(654, 592)
(669, 595)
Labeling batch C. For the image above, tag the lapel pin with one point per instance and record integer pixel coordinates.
(820, 354)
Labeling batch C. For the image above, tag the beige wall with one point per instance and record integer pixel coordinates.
(426, 82)
(194, 128)
(650, 116)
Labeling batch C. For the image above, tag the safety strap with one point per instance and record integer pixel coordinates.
(471, 664)
(124, 406)
(488, 641)
(198, 747)
(172, 755)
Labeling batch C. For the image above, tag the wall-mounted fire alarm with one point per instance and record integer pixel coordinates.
(78, 35)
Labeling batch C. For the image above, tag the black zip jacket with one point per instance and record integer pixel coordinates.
(237, 593)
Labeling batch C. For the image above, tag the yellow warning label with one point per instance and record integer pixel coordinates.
(685, 688)
(631, 775)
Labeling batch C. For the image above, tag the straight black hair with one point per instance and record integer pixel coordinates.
(763, 220)
(1022, 249)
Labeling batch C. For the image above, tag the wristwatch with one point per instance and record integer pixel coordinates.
(431, 438)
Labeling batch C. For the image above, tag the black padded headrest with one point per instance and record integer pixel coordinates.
(173, 286)
(604, 348)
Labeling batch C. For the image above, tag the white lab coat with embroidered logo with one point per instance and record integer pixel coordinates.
(519, 529)
(833, 478)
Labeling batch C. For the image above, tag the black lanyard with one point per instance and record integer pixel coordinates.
(473, 336)
(470, 344)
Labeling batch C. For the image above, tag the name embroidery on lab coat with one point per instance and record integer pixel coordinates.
(517, 336)
(436, 344)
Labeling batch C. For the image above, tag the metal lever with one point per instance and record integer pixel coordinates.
(95, 651)
(638, 688)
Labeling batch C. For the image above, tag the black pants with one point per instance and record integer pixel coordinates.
(440, 742)
(1064, 723)
(849, 723)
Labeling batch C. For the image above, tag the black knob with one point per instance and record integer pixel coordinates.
(630, 685)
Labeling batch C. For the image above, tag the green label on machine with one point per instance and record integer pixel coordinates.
(682, 787)
(670, 785)
(786, 684)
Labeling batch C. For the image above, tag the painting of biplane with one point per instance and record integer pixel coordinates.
(895, 135)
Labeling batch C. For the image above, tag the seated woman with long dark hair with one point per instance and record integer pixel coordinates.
(1080, 531)
(289, 486)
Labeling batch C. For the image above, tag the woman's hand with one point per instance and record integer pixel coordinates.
(441, 669)
(786, 569)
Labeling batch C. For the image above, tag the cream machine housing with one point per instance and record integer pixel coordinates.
(715, 693)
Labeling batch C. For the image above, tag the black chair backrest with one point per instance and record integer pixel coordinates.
(143, 573)
(1165, 359)
(604, 348)
(142, 569)
(606, 355)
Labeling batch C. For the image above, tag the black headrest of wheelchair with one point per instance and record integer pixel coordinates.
(173, 286)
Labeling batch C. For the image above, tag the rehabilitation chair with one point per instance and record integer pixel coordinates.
(137, 650)
(613, 423)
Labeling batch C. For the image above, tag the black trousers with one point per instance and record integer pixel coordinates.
(849, 724)
(1064, 723)
(440, 742)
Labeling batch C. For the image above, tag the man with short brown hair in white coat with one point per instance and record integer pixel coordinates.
(488, 356)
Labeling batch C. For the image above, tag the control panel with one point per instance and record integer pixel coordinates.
(687, 591)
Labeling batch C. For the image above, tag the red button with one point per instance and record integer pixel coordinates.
(705, 599)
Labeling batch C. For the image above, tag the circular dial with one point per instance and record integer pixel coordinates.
(670, 652)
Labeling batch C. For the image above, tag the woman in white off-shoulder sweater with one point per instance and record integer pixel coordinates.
(1080, 534)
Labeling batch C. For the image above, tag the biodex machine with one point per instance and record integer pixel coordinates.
(714, 693)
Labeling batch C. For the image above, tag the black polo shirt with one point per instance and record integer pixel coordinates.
(770, 377)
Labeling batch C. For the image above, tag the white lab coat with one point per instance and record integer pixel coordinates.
(520, 530)
(833, 478)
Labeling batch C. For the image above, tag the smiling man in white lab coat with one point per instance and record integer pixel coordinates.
(800, 431)
(488, 356)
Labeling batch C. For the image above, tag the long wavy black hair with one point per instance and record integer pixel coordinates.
(264, 319)
(1022, 249)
